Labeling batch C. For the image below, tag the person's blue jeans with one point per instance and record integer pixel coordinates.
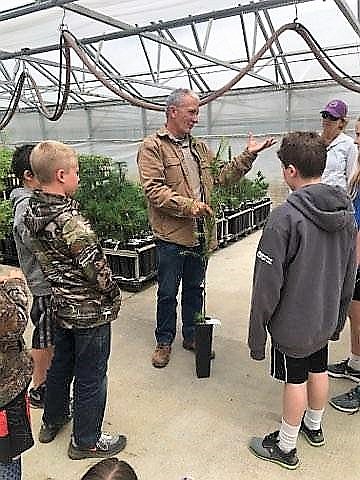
(82, 355)
(11, 470)
(178, 263)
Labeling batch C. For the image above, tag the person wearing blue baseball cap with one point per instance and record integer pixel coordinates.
(341, 151)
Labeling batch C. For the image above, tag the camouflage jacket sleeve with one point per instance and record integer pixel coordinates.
(88, 254)
(15, 360)
(13, 308)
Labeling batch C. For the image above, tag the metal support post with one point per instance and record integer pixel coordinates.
(89, 127)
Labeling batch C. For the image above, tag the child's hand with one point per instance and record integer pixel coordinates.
(257, 355)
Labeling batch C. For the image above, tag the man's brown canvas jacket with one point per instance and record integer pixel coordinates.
(165, 179)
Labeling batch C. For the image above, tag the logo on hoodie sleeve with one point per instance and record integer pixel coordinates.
(264, 258)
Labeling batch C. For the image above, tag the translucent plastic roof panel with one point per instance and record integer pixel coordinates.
(146, 49)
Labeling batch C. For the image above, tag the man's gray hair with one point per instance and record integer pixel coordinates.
(175, 98)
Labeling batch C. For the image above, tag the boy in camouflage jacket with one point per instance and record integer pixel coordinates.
(15, 376)
(86, 301)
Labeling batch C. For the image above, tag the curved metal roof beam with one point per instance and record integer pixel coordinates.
(202, 17)
(158, 26)
(349, 15)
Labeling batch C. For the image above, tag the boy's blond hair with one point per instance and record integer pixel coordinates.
(49, 156)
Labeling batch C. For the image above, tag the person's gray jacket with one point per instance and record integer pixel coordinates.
(304, 273)
(28, 263)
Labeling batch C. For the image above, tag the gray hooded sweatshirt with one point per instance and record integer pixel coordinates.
(28, 262)
(304, 273)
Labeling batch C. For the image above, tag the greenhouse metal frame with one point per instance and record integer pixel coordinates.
(179, 51)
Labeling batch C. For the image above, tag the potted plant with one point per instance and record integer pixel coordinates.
(116, 207)
(203, 341)
(204, 323)
(233, 198)
(7, 182)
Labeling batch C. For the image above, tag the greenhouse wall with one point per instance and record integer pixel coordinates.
(116, 130)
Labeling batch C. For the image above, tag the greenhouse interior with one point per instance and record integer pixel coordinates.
(95, 75)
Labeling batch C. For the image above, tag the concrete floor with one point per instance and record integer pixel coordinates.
(178, 425)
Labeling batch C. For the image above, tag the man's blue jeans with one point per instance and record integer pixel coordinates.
(82, 355)
(178, 263)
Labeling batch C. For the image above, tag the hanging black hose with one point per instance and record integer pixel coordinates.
(60, 103)
(305, 34)
(310, 40)
(68, 40)
(14, 102)
(320, 55)
(106, 81)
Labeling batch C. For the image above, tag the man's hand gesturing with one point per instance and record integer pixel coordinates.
(254, 147)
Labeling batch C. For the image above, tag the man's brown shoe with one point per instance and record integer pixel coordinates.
(161, 355)
(190, 345)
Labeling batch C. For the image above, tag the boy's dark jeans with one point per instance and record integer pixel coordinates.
(81, 354)
(178, 263)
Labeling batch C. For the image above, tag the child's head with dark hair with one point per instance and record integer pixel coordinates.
(110, 469)
(20, 164)
(305, 151)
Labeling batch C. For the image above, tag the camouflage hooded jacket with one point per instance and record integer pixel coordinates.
(165, 178)
(15, 361)
(85, 295)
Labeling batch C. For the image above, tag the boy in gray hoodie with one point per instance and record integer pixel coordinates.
(303, 283)
(43, 334)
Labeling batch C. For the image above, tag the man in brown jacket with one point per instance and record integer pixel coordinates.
(175, 171)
